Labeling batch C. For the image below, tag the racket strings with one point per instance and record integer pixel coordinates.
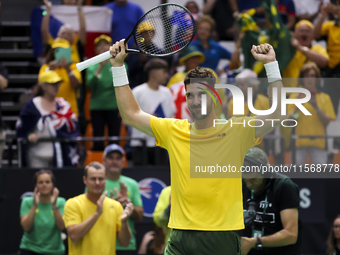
(164, 30)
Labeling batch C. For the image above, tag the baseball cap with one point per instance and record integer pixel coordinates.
(103, 37)
(191, 51)
(256, 156)
(60, 43)
(49, 77)
(145, 26)
(113, 147)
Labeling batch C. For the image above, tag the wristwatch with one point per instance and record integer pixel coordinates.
(258, 242)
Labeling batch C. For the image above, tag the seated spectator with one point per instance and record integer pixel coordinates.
(321, 108)
(103, 104)
(302, 41)
(41, 218)
(70, 76)
(47, 116)
(191, 58)
(212, 51)
(331, 31)
(222, 12)
(247, 78)
(161, 214)
(77, 41)
(286, 9)
(3, 85)
(334, 238)
(153, 242)
(161, 105)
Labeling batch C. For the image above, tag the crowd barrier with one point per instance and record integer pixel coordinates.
(318, 206)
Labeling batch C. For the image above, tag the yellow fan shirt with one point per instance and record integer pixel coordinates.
(101, 239)
(311, 124)
(200, 200)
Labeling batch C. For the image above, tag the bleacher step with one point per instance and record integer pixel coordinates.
(23, 78)
(19, 53)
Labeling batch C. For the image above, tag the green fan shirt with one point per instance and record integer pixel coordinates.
(44, 237)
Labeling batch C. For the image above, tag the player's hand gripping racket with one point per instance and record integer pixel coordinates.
(162, 31)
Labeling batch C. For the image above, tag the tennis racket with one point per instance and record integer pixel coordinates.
(162, 31)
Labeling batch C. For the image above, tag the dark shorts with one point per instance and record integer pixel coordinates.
(193, 242)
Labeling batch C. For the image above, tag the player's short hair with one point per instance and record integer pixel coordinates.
(40, 172)
(200, 73)
(95, 165)
(208, 19)
(155, 63)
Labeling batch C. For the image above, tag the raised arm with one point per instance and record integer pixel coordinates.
(82, 23)
(318, 26)
(45, 34)
(128, 107)
(266, 54)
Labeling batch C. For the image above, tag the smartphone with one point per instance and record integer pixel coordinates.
(63, 52)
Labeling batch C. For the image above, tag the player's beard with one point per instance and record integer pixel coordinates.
(198, 115)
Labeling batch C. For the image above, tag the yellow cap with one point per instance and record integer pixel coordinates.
(103, 37)
(304, 23)
(49, 77)
(144, 26)
(60, 43)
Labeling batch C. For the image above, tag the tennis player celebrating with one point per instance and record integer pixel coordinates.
(205, 212)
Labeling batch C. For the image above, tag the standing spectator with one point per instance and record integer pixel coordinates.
(334, 238)
(77, 41)
(94, 221)
(321, 108)
(308, 9)
(41, 218)
(70, 76)
(222, 13)
(286, 9)
(302, 41)
(192, 6)
(212, 51)
(161, 214)
(123, 189)
(47, 116)
(125, 16)
(3, 85)
(331, 30)
(161, 105)
(103, 104)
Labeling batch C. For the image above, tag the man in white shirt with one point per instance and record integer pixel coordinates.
(155, 99)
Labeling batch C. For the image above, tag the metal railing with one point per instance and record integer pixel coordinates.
(293, 138)
(82, 141)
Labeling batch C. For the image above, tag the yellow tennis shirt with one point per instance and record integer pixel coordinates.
(201, 200)
(101, 239)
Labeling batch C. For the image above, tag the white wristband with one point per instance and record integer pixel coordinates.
(119, 76)
(273, 71)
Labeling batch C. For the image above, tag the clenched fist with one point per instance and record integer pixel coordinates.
(264, 53)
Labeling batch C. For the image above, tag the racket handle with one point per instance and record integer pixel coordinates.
(92, 61)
